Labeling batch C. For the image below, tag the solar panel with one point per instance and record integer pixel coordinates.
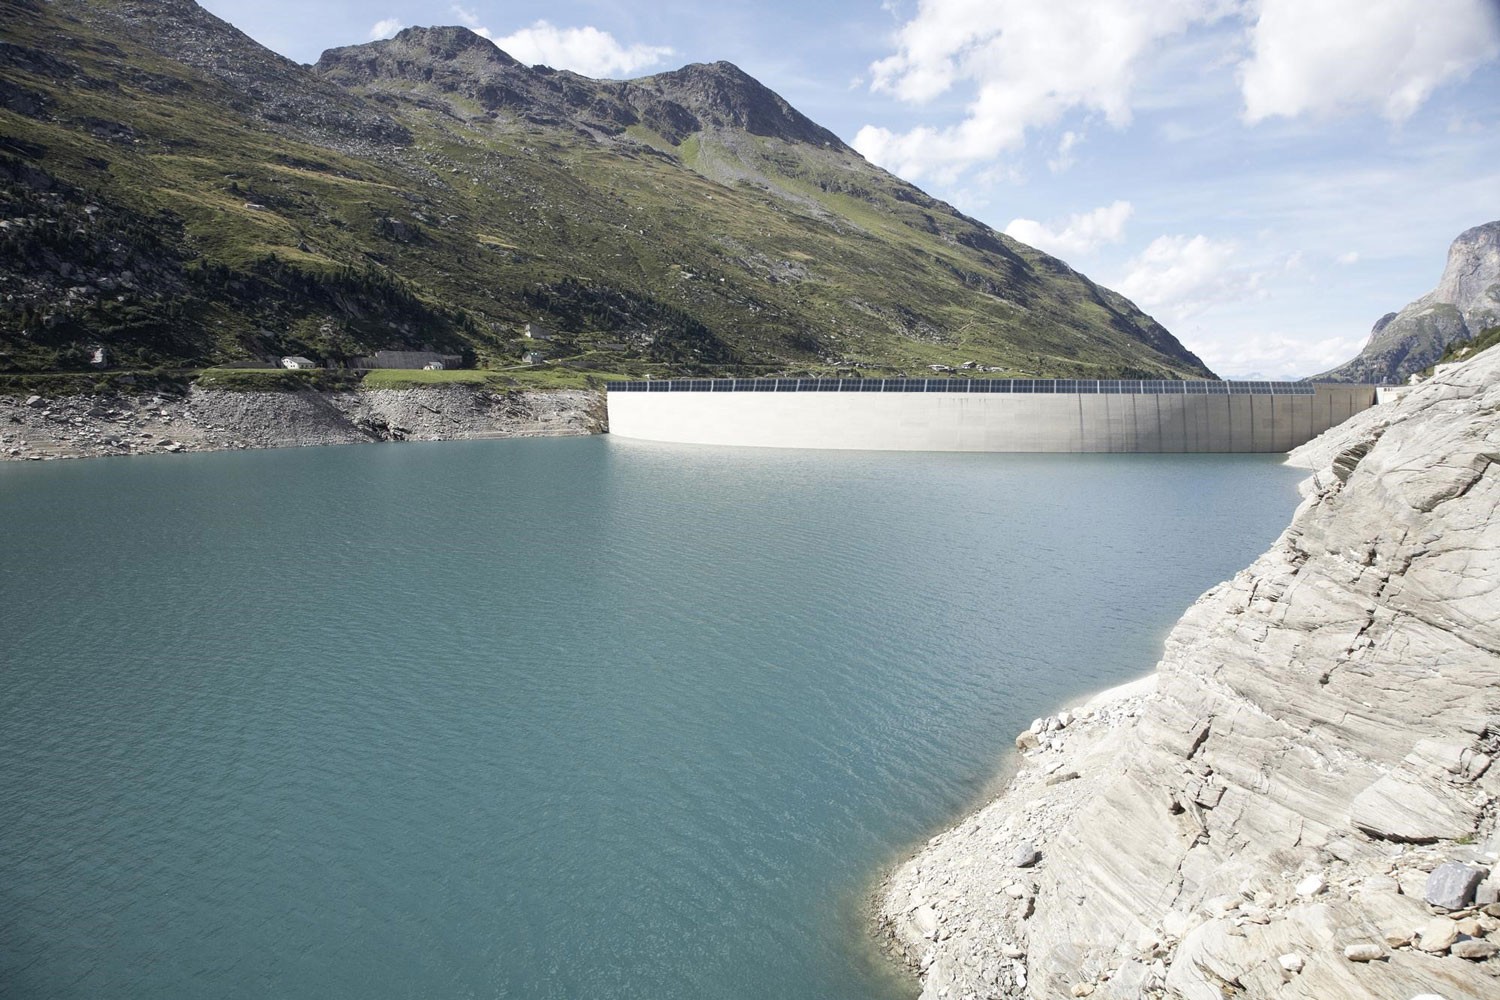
(1026, 385)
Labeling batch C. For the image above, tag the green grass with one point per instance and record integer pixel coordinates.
(277, 379)
(1465, 349)
(528, 377)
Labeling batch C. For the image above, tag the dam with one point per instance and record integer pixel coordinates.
(998, 415)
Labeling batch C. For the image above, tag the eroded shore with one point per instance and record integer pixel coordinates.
(92, 425)
(1263, 815)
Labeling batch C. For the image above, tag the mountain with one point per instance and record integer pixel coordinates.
(174, 192)
(1465, 303)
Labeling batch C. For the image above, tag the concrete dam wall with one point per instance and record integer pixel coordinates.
(1022, 415)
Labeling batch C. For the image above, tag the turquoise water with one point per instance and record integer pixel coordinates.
(559, 718)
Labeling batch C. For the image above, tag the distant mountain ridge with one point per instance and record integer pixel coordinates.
(1465, 303)
(456, 61)
(178, 194)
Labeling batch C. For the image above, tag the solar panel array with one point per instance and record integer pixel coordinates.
(1124, 387)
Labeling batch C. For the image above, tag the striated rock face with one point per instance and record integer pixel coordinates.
(1263, 816)
(1465, 303)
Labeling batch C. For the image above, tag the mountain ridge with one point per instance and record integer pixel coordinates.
(429, 191)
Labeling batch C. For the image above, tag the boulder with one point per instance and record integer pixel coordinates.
(1452, 885)
(1438, 935)
(1474, 949)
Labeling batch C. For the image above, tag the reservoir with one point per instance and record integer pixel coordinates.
(536, 719)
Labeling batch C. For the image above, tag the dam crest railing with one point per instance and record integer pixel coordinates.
(1123, 387)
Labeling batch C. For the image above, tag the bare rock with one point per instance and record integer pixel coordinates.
(1452, 885)
(1311, 886)
(1364, 952)
(1437, 935)
(1474, 949)
(925, 919)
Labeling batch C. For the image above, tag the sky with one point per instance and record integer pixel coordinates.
(1267, 178)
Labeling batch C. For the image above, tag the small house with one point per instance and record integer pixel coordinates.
(433, 366)
(533, 357)
(99, 357)
(296, 361)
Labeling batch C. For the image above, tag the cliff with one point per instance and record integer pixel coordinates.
(1465, 303)
(1266, 814)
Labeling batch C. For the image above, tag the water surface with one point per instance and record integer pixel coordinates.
(534, 719)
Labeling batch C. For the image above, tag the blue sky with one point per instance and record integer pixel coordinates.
(1266, 177)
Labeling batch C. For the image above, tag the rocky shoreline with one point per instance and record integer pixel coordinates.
(97, 424)
(1300, 801)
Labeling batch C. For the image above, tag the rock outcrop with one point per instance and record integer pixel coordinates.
(1465, 303)
(220, 420)
(1301, 801)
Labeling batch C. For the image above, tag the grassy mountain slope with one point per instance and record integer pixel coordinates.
(177, 193)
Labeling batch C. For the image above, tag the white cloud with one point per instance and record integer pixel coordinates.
(470, 20)
(1273, 355)
(1325, 56)
(1082, 233)
(1027, 62)
(1178, 277)
(1065, 146)
(1352, 257)
(385, 28)
(584, 50)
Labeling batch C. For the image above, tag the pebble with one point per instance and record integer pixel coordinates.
(1083, 989)
(926, 920)
(1026, 855)
(1311, 886)
(1291, 962)
(1365, 952)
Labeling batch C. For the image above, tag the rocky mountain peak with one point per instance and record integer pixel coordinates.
(723, 95)
(419, 53)
(452, 61)
(1465, 303)
(1470, 277)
